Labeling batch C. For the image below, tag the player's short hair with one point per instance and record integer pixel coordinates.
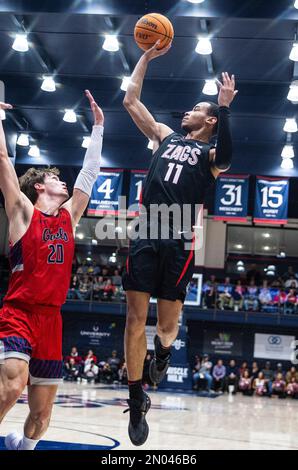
(33, 176)
(213, 110)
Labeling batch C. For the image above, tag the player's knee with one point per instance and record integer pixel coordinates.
(168, 329)
(41, 418)
(10, 391)
(135, 320)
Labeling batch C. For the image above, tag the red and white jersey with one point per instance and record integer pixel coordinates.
(41, 261)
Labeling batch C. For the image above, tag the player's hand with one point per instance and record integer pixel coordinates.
(153, 52)
(5, 105)
(97, 111)
(227, 90)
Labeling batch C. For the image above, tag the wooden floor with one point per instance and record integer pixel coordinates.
(92, 415)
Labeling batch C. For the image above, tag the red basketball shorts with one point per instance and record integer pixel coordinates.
(33, 333)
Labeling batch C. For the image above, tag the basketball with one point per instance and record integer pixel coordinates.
(151, 28)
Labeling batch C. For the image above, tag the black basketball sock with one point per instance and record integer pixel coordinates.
(135, 390)
(161, 351)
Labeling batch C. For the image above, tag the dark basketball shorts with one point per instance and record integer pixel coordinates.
(163, 268)
(33, 334)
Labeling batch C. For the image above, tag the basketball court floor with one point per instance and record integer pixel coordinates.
(91, 417)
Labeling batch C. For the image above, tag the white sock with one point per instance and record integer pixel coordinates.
(27, 444)
(13, 440)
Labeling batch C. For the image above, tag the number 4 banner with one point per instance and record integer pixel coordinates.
(271, 200)
(231, 198)
(105, 193)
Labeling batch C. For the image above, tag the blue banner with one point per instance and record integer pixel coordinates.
(231, 198)
(271, 200)
(105, 193)
(179, 373)
(137, 178)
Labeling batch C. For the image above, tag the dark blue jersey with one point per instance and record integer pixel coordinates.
(179, 173)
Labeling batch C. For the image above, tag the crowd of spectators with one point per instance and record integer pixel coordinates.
(91, 369)
(248, 380)
(93, 282)
(252, 294)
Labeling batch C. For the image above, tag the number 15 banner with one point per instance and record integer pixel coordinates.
(271, 200)
(231, 198)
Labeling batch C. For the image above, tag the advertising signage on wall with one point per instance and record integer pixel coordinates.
(225, 343)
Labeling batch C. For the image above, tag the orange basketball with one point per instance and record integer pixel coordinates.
(151, 28)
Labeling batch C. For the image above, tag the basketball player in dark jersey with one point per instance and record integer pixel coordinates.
(42, 220)
(181, 170)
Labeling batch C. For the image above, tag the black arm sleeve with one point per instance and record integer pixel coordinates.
(224, 148)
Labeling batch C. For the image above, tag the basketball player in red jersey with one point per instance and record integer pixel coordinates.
(42, 220)
(181, 170)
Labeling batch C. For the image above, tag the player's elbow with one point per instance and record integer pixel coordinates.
(128, 102)
(3, 155)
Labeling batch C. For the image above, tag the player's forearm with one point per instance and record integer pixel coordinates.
(224, 148)
(91, 164)
(136, 81)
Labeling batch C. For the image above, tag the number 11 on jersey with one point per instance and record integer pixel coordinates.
(176, 174)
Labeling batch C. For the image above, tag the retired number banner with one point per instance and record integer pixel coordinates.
(105, 193)
(231, 198)
(271, 200)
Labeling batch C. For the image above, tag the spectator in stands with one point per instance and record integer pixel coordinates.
(259, 385)
(106, 373)
(83, 268)
(251, 297)
(84, 289)
(105, 273)
(291, 283)
(90, 357)
(114, 363)
(292, 374)
(219, 373)
(204, 373)
(232, 377)
(72, 370)
(254, 370)
(245, 384)
(289, 273)
(280, 298)
(238, 295)
(93, 269)
(122, 374)
(254, 274)
(74, 285)
(243, 368)
(98, 287)
(265, 298)
(279, 386)
(224, 292)
(116, 278)
(75, 355)
(292, 388)
(291, 302)
(209, 292)
(279, 370)
(268, 376)
(91, 371)
(108, 290)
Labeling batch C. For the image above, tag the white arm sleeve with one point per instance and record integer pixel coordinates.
(91, 165)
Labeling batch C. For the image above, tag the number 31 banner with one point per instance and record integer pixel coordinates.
(105, 193)
(231, 198)
(271, 201)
